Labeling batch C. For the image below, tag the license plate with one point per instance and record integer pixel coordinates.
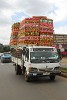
(46, 73)
(34, 74)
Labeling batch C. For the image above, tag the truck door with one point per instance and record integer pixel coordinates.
(26, 58)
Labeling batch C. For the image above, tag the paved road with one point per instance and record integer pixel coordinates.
(14, 87)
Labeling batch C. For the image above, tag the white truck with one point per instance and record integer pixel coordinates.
(36, 61)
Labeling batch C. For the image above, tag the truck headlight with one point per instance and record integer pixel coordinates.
(57, 68)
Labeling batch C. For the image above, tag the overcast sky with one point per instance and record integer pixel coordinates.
(12, 11)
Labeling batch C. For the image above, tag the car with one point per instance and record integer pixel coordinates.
(6, 57)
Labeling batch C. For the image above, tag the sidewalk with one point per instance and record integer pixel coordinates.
(64, 60)
(64, 64)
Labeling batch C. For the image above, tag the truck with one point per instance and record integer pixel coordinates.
(31, 44)
(36, 61)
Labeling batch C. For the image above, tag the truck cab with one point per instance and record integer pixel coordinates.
(40, 61)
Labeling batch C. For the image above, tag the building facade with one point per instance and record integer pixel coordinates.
(60, 41)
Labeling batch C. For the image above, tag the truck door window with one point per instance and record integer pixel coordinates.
(26, 54)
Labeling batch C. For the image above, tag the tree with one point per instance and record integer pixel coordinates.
(1, 47)
(6, 48)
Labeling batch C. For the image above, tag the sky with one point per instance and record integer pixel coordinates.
(12, 11)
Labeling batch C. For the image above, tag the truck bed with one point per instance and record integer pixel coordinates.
(17, 61)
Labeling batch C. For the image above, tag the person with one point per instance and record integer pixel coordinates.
(59, 53)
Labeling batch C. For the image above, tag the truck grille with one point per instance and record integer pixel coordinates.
(46, 69)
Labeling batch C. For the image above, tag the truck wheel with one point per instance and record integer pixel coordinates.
(24, 70)
(52, 77)
(18, 70)
(27, 78)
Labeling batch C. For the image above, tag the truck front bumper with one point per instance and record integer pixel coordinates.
(42, 74)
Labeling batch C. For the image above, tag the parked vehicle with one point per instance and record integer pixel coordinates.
(6, 57)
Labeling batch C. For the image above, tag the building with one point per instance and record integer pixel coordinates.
(60, 41)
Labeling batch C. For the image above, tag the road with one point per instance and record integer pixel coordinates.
(13, 87)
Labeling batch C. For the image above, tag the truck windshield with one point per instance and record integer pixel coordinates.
(44, 57)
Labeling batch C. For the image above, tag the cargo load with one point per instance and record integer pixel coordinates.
(37, 30)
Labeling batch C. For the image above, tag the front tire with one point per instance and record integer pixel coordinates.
(52, 77)
(27, 78)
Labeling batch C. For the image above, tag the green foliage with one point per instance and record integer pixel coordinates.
(1, 47)
(63, 69)
(4, 48)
